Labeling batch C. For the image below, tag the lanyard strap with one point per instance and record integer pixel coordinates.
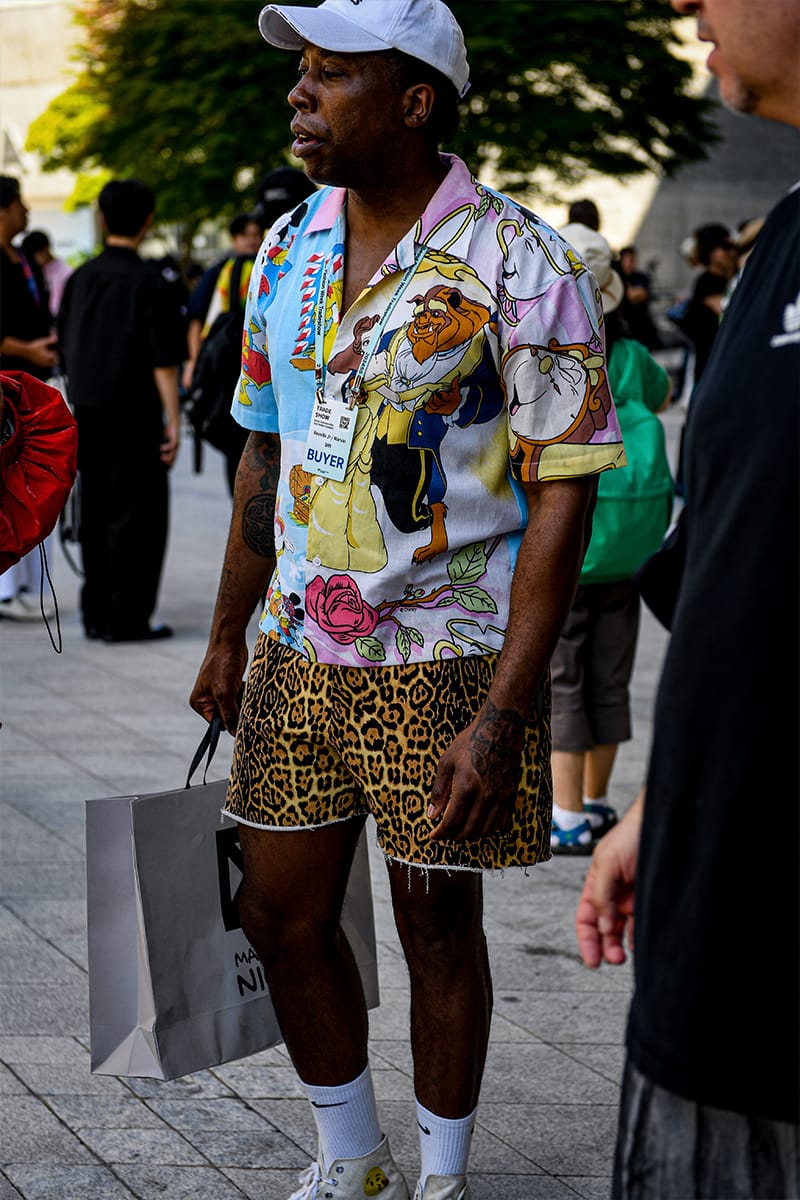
(375, 335)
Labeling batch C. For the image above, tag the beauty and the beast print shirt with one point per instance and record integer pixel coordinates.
(489, 371)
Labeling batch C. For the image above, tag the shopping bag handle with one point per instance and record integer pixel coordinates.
(208, 746)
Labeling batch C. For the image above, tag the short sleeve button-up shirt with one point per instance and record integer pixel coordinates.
(489, 372)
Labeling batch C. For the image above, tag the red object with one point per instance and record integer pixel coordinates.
(38, 463)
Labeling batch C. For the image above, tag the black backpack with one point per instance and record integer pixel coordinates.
(215, 375)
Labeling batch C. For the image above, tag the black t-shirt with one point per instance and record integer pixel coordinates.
(701, 322)
(116, 324)
(23, 311)
(716, 1012)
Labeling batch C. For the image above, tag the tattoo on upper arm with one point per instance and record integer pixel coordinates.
(262, 459)
(495, 745)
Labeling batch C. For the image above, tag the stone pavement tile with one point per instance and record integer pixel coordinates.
(30, 964)
(251, 1080)
(591, 1187)
(569, 1016)
(391, 1018)
(264, 1185)
(546, 968)
(38, 1182)
(267, 1147)
(60, 814)
(10, 1085)
(25, 841)
(53, 880)
(518, 1187)
(76, 949)
(163, 1147)
(12, 930)
(392, 1085)
(179, 1183)
(54, 1051)
(32, 1134)
(190, 1116)
(294, 1120)
(608, 1061)
(47, 1080)
(60, 1008)
(104, 1112)
(200, 1086)
(531, 1074)
(273, 1056)
(563, 1139)
(52, 919)
(7, 1190)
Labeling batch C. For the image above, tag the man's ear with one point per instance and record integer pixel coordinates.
(418, 104)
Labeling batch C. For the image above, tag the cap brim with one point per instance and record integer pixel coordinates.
(613, 292)
(289, 27)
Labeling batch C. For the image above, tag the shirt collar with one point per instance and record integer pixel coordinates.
(455, 198)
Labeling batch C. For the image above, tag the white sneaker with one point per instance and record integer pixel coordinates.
(18, 609)
(373, 1174)
(443, 1187)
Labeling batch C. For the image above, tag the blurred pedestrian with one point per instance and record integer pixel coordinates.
(593, 661)
(635, 306)
(245, 233)
(36, 247)
(220, 291)
(584, 212)
(122, 346)
(711, 1094)
(27, 343)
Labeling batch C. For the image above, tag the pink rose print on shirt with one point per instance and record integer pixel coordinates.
(339, 610)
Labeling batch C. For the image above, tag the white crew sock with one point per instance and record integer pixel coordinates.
(565, 818)
(443, 1144)
(346, 1117)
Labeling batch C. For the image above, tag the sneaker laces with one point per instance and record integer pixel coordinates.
(310, 1182)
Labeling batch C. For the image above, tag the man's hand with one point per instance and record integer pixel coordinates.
(478, 777)
(170, 443)
(43, 352)
(218, 687)
(605, 910)
(186, 375)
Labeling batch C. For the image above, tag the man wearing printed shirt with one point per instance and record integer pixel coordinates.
(424, 381)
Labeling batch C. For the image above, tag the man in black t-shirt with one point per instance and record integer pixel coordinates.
(122, 342)
(711, 1095)
(26, 336)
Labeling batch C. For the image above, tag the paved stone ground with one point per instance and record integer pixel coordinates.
(106, 720)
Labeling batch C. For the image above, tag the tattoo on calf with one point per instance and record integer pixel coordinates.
(495, 745)
(258, 529)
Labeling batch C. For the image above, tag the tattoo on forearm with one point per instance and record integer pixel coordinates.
(495, 745)
(262, 459)
(258, 527)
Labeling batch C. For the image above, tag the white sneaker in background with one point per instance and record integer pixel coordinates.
(20, 608)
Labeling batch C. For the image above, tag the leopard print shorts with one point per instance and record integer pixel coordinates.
(320, 743)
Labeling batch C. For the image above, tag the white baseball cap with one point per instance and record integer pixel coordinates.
(425, 29)
(596, 253)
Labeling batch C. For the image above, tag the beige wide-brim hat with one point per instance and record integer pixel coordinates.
(595, 251)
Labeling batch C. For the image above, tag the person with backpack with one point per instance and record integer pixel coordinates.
(593, 661)
(215, 315)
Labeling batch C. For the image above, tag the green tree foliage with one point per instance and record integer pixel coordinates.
(186, 95)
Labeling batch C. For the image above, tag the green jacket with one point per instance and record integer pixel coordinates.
(634, 503)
